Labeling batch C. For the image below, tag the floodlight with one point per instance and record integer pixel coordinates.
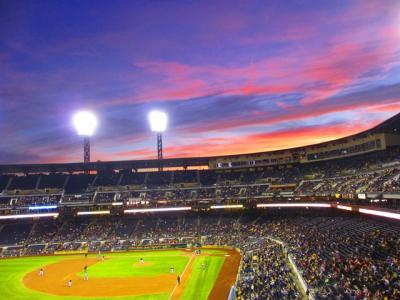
(158, 121)
(85, 123)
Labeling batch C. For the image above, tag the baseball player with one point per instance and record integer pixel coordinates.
(85, 273)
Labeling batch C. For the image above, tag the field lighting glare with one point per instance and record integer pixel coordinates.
(85, 123)
(158, 121)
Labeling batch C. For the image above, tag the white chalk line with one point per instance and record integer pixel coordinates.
(181, 275)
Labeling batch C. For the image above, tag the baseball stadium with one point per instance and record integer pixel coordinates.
(200, 150)
(239, 225)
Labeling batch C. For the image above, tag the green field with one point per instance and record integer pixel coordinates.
(123, 264)
(203, 278)
(205, 271)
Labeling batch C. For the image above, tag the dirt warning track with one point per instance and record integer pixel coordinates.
(227, 276)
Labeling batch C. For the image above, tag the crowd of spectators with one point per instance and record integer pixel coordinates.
(372, 173)
(379, 181)
(392, 185)
(265, 274)
(376, 181)
(343, 259)
(340, 256)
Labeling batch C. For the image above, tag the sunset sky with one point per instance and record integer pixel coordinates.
(233, 76)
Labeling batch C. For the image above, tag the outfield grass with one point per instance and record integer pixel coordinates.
(116, 265)
(204, 273)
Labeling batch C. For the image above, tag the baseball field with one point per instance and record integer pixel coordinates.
(144, 275)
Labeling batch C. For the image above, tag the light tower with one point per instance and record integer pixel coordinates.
(85, 124)
(158, 123)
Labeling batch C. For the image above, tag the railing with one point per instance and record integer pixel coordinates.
(303, 283)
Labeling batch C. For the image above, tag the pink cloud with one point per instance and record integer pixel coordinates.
(386, 107)
(264, 142)
(335, 69)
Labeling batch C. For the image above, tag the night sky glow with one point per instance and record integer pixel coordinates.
(233, 76)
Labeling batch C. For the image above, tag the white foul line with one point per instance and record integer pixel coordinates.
(181, 275)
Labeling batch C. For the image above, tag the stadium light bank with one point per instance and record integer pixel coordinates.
(85, 123)
(158, 123)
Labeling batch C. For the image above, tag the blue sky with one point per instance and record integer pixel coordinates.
(234, 77)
